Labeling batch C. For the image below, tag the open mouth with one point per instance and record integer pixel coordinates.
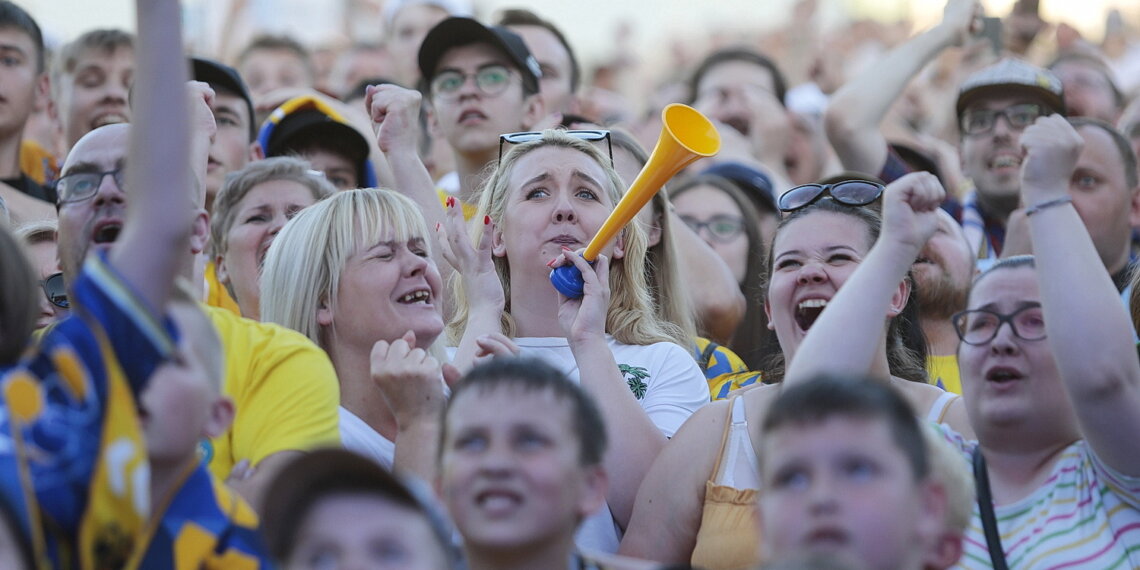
(108, 119)
(418, 296)
(1006, 161)
(1002, 375)
(497, 500)
(808, 311)
(827, 538)
(471, 115)
(107, 233)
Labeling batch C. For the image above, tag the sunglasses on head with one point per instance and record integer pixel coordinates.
(848, 193)
(56, 290)
(586, 135)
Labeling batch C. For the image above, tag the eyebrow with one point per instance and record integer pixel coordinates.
(828, 249)
(1020, 305)
(87, 166)
(586, 177)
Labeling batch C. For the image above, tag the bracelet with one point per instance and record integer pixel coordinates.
(1048, 204)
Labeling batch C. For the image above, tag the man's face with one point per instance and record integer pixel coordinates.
(95, 94)
(470, 119)
(943, 270)
(230, 150)
(98, 219)
(266, 70)
(1102, 197)
(993, 159)
(843, 487)
(19, 80)
(739, 94)
(1088, 92)
(554, 60)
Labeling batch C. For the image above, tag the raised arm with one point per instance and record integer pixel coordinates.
(1086, 324)
(159, 173)
(849, 336)
(855, 112)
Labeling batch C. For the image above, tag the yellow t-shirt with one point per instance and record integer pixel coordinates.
(943, 372)
(468, 209)
(216, 294)
(284, 389)
(36, 162)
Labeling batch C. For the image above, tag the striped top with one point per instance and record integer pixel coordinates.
(1085, 515)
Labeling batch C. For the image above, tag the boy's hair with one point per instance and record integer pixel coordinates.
(535, 375)
(205, 342)
(106, 41)
(746, 55)
(270, 42)
(1122, 144)
(524, 17)
(826, 397)
(947, 467)
(13, 17)
(19, 303)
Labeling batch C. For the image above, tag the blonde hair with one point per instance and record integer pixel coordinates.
(630, 319)
(303, 266)
(204, 339)
(947, 468)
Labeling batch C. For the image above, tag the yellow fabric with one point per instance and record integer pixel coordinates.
(943, 372)
(216, 294)
(468, 209)
(36, 162)
(729, 536)
(284, 390)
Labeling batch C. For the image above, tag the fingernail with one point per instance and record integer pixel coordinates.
(551, 262)
(564, 248)
(486, 220)
(437, 226)
(450, 202)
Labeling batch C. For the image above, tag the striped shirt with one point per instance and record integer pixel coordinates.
(1085, 515)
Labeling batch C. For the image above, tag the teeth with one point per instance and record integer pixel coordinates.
(813, 304)
(1006, 161)
(415, 296)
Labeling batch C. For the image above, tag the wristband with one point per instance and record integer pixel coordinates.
(1048, 204)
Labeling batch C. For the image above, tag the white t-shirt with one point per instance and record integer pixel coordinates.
(667, 383)
(359, 437)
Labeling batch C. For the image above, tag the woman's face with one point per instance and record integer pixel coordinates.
(386, 289)
(718, 220)
(557, 197)
(260, 216)
(811, 259)
(45, 262)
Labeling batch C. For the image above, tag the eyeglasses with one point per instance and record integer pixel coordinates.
(722, 228)
(586, 135)
(848, 193)
(79, 186)
(980, 326)
(56, 290)
(490, 79)
(981, 121)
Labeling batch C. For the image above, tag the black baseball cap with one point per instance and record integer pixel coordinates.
(218, 74)
(456, 32)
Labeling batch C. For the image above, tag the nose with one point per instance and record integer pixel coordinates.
(1004, 341)
(822, 497)
(469, 88)
(414, 264)
(109, 191)
(279, 222)
(811, 273)
(564, 210)
(116, 91)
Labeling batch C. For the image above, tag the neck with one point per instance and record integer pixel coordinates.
(997, 208)
(550, 556)
(1015, 471)
(534, 305)
(941, 338)
(166, 478)
(358, 393)
(470, 168)
(10, 155)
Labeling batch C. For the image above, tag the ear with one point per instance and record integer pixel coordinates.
(594, 486)
(942, 545)
(324, 314)
(768, 315)
(221, 416)
(43, 92)
(256, 152)
(221, 271)
(534, 109)
(619, 246)
(654, 233)
(200, 233)
(498, 248)
(1134, 215)
(899, 299)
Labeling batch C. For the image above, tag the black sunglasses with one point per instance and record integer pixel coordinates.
(586, 135)
(56, 290)
(848, 193)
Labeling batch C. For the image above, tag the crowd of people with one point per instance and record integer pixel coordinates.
(264, 311)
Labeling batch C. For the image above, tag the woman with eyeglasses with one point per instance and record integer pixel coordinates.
(542, 205)
(1049, 376)
(706, 480)
(38, 239)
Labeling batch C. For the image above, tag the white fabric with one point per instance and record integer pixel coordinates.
(674, 388)
(359, 437)
(739, 467)
(939, 407)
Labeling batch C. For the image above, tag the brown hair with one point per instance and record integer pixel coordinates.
(19, 303)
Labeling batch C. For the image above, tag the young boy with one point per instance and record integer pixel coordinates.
(846, 471)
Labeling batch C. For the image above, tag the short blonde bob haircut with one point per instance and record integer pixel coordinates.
(631, 318)
(303, 266)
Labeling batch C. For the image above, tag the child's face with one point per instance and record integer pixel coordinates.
(181, 403)
(383, 535)
(844, 487)
(510, 472)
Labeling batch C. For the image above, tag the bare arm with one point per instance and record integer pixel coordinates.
(667, 514)
(855, 112)
(849, 336)
(158, 223)
(1087, 326)
(709, 283)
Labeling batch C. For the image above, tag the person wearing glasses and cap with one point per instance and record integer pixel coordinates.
(38, 239)
(480, 82)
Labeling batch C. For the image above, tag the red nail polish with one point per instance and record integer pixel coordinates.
(486, 220)
(450, 202)
(564, 248)
(437, 226)
(551, 262)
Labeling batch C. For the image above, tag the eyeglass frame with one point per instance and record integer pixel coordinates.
(475, 75)
(825, 190)
(61, 301)
(1002, 319)
(1002, 113)
(697, 225)
(118, 175)
(588, 135)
